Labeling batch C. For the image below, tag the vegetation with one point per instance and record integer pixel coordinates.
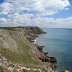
(24, 54)
(21, 57)
(1, 69)
(35, 30)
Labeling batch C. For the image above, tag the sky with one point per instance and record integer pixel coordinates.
(42, 13)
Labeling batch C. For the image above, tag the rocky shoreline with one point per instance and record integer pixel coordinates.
(41, 55)
(49, 62)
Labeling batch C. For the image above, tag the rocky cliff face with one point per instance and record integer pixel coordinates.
(15, 46)
(6, 40)
(18, 53)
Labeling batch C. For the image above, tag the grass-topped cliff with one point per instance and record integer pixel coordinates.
(20, 53)
(15, 47)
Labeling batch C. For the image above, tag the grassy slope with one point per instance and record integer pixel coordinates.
(23, 56)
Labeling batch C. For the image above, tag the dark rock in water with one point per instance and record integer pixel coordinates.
(44, 59)
(46, 53)
(44, 32)
(48, 59)
(52, 59)
(39, 47)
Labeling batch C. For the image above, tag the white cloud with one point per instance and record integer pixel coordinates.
(59, 22)
(16, 19)
(20, 19)
(6, 8)
(23, 20)
(2, 20)
(44, 7)
(13, 8)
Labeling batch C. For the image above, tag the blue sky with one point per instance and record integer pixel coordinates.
(1, 1)
(64, 13)
(42, 13)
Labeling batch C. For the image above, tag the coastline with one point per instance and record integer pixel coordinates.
(30, 34)
(42, 37)
(49, 62)
(27, 35)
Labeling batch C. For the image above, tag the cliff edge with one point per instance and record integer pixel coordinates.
(16, 50)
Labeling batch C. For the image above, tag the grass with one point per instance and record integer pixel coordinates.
(1, 69)
(22, 56)
(35, 30)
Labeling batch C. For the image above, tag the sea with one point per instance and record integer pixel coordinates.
(58, 43)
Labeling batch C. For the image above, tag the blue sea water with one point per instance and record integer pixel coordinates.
(58, 43)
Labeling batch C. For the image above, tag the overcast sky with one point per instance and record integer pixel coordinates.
(42, 13)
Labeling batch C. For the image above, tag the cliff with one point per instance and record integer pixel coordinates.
(13, 42)
(15, 48)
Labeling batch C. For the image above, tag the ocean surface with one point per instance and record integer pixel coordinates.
(58, 43)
